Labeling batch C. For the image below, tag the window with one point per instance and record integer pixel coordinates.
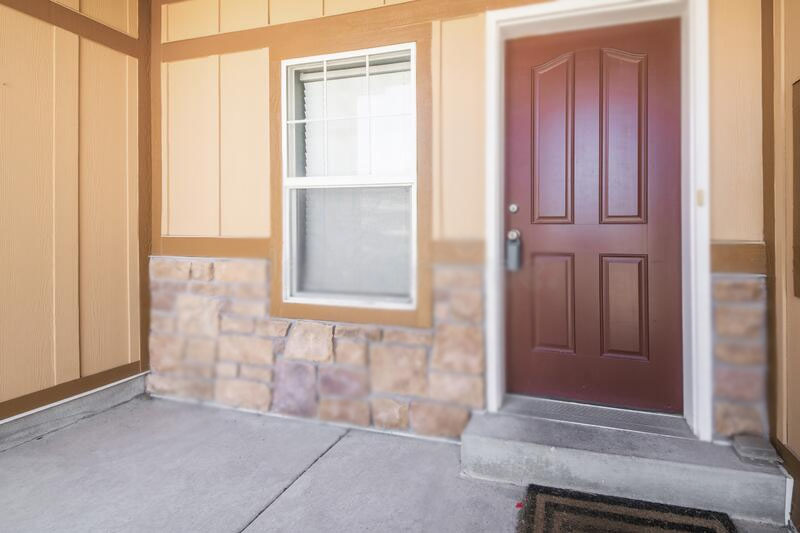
(350, 178)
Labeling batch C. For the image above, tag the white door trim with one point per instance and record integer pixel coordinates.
(566, 15)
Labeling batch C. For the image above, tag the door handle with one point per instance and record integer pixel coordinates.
(513, 251)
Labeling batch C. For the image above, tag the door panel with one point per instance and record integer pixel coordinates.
(593, 163)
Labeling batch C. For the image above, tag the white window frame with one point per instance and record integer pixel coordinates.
(290, 184)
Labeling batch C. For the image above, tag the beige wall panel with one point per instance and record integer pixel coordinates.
(26, 204)
(104, 208)
(73, 4)
(389, 2)
(119, 14)
(737, 212)
(281, 11)
(462, 129)
(193, 137)
(334, 7)
(244, 144)
(237, 15)
(193, 18)
(65, 188)
(164, 148)
(436, 126)
(134, 318)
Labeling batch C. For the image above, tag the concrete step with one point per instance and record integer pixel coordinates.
(517, 449)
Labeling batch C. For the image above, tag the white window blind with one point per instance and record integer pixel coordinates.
(350, 178)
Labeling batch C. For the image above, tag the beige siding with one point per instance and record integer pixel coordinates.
(26, 204)
(193, 18)
(244, 144)
(243, 14)
(334, 7)
(459, 130)
(107, 208)
(121, 15)
(736, 164)
(192, 181)
(216, 147)
(65, 223)
(281, 11)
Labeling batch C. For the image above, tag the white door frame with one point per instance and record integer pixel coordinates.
(567, 15)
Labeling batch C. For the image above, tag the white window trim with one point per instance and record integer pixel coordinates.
(288, 184)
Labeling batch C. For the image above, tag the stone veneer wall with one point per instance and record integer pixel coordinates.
(740, 354)
(212, 340)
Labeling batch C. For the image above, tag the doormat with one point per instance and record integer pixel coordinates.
(551, 510)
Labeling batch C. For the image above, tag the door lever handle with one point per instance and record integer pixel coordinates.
(513, 251)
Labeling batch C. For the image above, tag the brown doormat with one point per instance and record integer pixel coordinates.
(551, 510)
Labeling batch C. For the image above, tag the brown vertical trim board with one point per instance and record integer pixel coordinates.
(83, 26)
(155, 127)
(792, 464)
(768, 162)
(145, 180)
(735, 257)
(60, 392)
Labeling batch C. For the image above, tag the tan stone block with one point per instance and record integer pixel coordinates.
(182, 387)
(226, 369)
(389, 414)
(739, 290)
(735, 419)
(272, 327)
(209, 289)
(246, 291)
(295, 388)
(457, 278)
(456, 388)
(245, 349)
(241, 271)
(169, 269)
(244, 394)
(236, 324)
(194, 370)
(341, 381)
(398, 369)
(739, 321)
(310, 340)
(467, 305)
(201, 350)
(351, 352)
(246, 308)
(162, 323)
(164, 293)
(257, 373)
(441, 310)
(198, 315)
(408, 336)
(438, 420)
(354, 412)
(741, 384)
(740, 353)
(202, 270)
(352, 331)
(165, 352)
(458, 348)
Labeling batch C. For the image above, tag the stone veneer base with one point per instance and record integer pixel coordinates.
(212, 340)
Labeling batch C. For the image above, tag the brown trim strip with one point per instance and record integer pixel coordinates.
(145, 185)
(356, 27)
(739, 257)
(215, 247)
(40, 398)
(83, 26)
(458, 252)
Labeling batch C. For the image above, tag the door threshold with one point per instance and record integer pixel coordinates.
(663, 424)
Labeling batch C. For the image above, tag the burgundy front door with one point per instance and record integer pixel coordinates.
(593, 167)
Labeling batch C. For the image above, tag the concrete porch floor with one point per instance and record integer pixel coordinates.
(157, 465)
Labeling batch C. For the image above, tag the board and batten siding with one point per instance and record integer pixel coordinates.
(69, 304)
(215, 146)
(121, 15)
